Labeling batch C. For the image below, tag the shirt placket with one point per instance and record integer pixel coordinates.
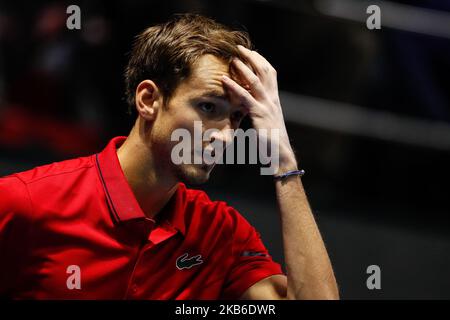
(132, 287)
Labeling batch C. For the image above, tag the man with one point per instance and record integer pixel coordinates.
(121, 223)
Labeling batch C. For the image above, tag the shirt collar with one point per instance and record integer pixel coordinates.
(120, 197)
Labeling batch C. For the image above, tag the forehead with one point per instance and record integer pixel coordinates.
(206, 75)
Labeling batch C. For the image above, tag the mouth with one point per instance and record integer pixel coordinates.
(199, 157)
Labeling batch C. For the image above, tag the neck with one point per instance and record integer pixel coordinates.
(151, 187)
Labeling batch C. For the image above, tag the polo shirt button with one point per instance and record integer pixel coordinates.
(134, 288)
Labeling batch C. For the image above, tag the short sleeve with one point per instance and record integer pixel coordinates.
(15, 226)
(251, 259)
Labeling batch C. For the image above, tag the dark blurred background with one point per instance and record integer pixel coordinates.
(368, 112)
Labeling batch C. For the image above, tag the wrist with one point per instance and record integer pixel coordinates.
(287, 164)
(286, 158)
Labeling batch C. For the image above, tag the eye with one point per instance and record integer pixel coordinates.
(207, 107)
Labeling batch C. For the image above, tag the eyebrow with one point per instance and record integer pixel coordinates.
(215, 94)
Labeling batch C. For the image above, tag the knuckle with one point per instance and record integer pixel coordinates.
(267, 68)
(254, 80)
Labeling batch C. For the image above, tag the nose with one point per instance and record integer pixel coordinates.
(225, 134)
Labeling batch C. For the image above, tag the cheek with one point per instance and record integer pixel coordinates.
(168, 122)
(181, 117)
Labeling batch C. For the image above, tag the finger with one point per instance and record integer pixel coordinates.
(260, 64)
(249, 78)
(244, 97)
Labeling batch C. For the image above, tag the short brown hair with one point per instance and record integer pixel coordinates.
(164, 53)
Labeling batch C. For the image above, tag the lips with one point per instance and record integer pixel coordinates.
(208, 152)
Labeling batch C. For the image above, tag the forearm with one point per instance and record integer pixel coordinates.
(309, 271)
(310, 275)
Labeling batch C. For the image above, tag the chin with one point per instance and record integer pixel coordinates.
(194, 174)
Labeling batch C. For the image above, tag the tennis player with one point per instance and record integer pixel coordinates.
(121, 224)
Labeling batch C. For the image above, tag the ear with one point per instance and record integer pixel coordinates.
(148, 99)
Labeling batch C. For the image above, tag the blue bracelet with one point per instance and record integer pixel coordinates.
(290, 173)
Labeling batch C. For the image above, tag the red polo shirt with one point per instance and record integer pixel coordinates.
(74, 230)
